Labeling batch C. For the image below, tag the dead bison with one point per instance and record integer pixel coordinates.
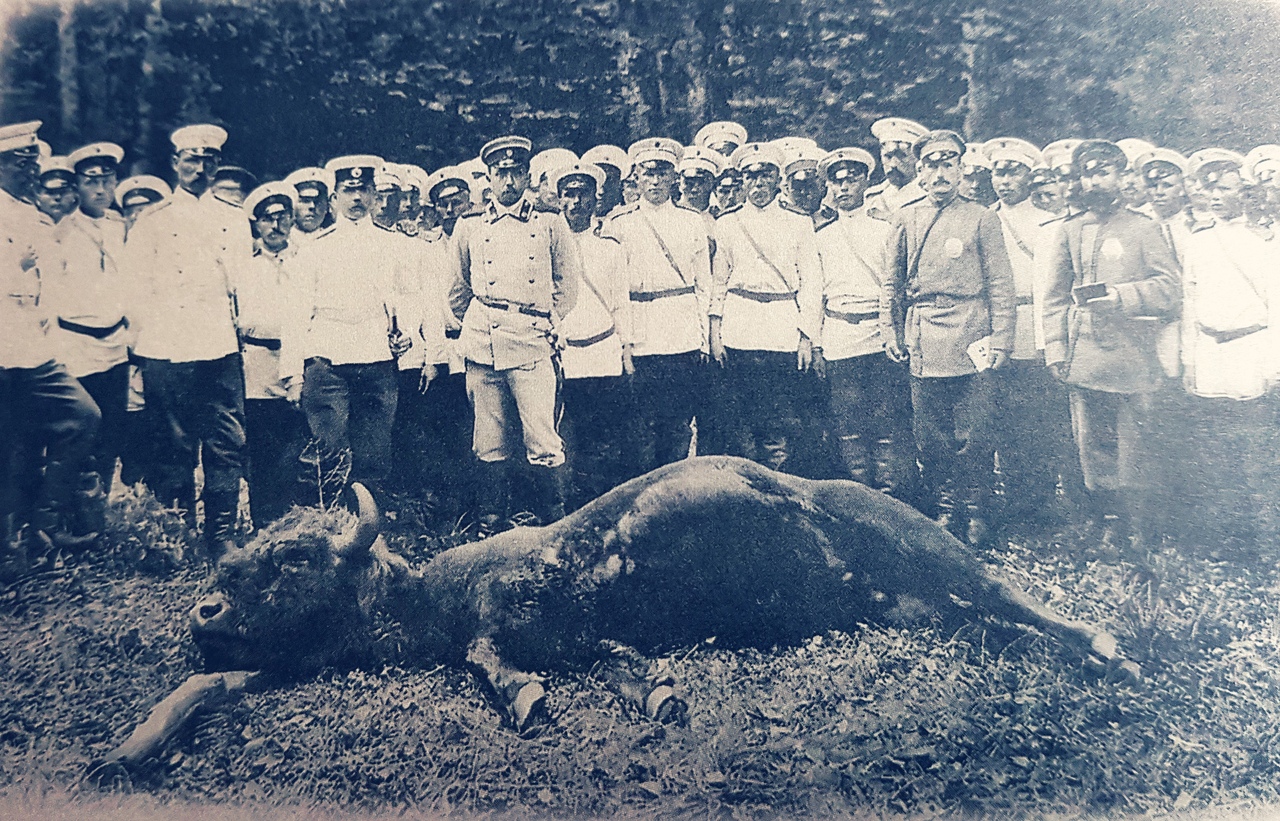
(706, 547)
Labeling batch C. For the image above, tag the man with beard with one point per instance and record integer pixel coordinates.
(597, 338)
(344, 335)
(613, 161)
(870, 396)
(42, 407)
(183, 254)
(275, 430)
(949, 312)
(1035, 437)
(766, 306)
(1108, 270)
(899, 189)
(667, 253)
(311, 208)
(516, 274)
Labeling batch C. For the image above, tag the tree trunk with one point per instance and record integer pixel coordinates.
(152, 31)
(977, 58)
(68, 64)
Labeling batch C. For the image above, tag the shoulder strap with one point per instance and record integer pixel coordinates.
(666, 252)
(1013, 232)
(913, 262)
(765, 259)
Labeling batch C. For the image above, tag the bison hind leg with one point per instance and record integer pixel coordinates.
(641, 683)
(520, 694)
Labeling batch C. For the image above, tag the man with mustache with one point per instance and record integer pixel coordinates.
(344, 334)
(766, 305)
(183, 254)
(1109, 272)
(516, 272)
(899, 189)
(949, 312)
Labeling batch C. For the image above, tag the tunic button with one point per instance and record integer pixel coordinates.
(493, 282)
(531, 282)
(531, 256)
(486, 239)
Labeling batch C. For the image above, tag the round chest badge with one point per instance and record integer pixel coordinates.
(954, 247)
(1111, 248)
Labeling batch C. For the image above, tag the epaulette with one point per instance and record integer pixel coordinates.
(113, 216)
(321, 233)
(727, 211)
(793, 208)
(409, 228)
(880, 214)
(227, 203)
(684, 207)
(152, 208)
(598, 231)
(1136, 212)
(471, 215)
(1261, 231)
(825, 217)
(391, 230)
(1053, 219)
(878, 188)
(1195, 226)
(623, 210)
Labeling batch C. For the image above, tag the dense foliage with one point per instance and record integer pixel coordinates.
(427, 81)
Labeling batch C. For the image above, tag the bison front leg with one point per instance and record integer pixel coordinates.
(639, 681)
(521, 694)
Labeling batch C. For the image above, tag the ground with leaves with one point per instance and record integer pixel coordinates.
(874, 722)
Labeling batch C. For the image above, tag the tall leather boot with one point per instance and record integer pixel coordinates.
(895, 471)
(220, 509)
(54, 515)
(857, 461)
(549, 487)
(491, 497)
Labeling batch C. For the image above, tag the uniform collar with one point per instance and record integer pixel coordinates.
(645, 205)
(522, 210)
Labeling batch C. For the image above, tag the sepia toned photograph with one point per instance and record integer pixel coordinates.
(559, 409)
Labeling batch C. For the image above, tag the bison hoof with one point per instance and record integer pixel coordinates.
(529, 707)
(664, 706)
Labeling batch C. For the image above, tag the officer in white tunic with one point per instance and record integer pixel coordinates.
(667, 251)
(597, 338)
(344, 336)
(87, 295)
(41, 405)
(766, 306)
(516, 274)
(899, 189)
(184, 254)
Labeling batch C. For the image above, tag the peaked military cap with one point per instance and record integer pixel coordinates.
(939, 144)
(802, 162)
(1134, 148)
(311, 181)
(975, 158)
(56, 173)
(240, 176)
(1011, 150)
(698, 159)
(1159, 162)
(447, 181)
(646, 152)
(610, 155)
(544, 162)
(1057, 154)
(835, 165)
(752, 156)
(144, 188)
(1209, 164)
(579, 171)
(1091, 155)
(1262, 163)
(506, 152)
(388, 177)
(354, 170)
(723, 136)
(96, 159)
(413, 176)
(897, 130)
(202, 139)
(20, 138)
(269, 199)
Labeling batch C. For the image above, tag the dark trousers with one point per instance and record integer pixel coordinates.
(763, 384)
(952, 419)
(665, 390)
(1034, 439)
(352, 407)
(42, 409)
(713, 410)
(448, 465)
(593, 427)
(871, 418)
(199, 407)
(409, 435)
(275, 433)
(110, 390)
(138, 453)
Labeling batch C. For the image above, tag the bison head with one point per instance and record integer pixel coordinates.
(295, 598)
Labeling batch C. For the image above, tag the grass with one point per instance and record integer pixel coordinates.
(877, 722)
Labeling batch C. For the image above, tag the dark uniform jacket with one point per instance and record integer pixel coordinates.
(1116, 351)
(949, 285)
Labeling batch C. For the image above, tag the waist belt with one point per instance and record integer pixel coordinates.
(943, 300)
(500, 305)
(650, 296)
(269, 344)
(1223, 337)
(763, 296)
(591, 340)
(852, 318)
(89, 330)
(1025, 300)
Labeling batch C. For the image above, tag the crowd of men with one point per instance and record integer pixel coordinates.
(1002, 335)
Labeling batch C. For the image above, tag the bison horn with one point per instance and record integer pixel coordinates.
(368, 526)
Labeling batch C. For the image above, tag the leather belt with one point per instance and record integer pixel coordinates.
(89, 330)
(852, 318)
(269, 344)
(501, 305)
(591, 340)
(1025, 300)
(763, 296)
(942, 300)
(650, 296)
(1223, 337)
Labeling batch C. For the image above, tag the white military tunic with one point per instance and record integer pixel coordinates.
(23, 318)
(599, 325)
(86, 289)
(854, 252)
(1024, 231)
(265, 299)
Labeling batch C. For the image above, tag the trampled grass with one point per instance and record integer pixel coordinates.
(878, 721)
